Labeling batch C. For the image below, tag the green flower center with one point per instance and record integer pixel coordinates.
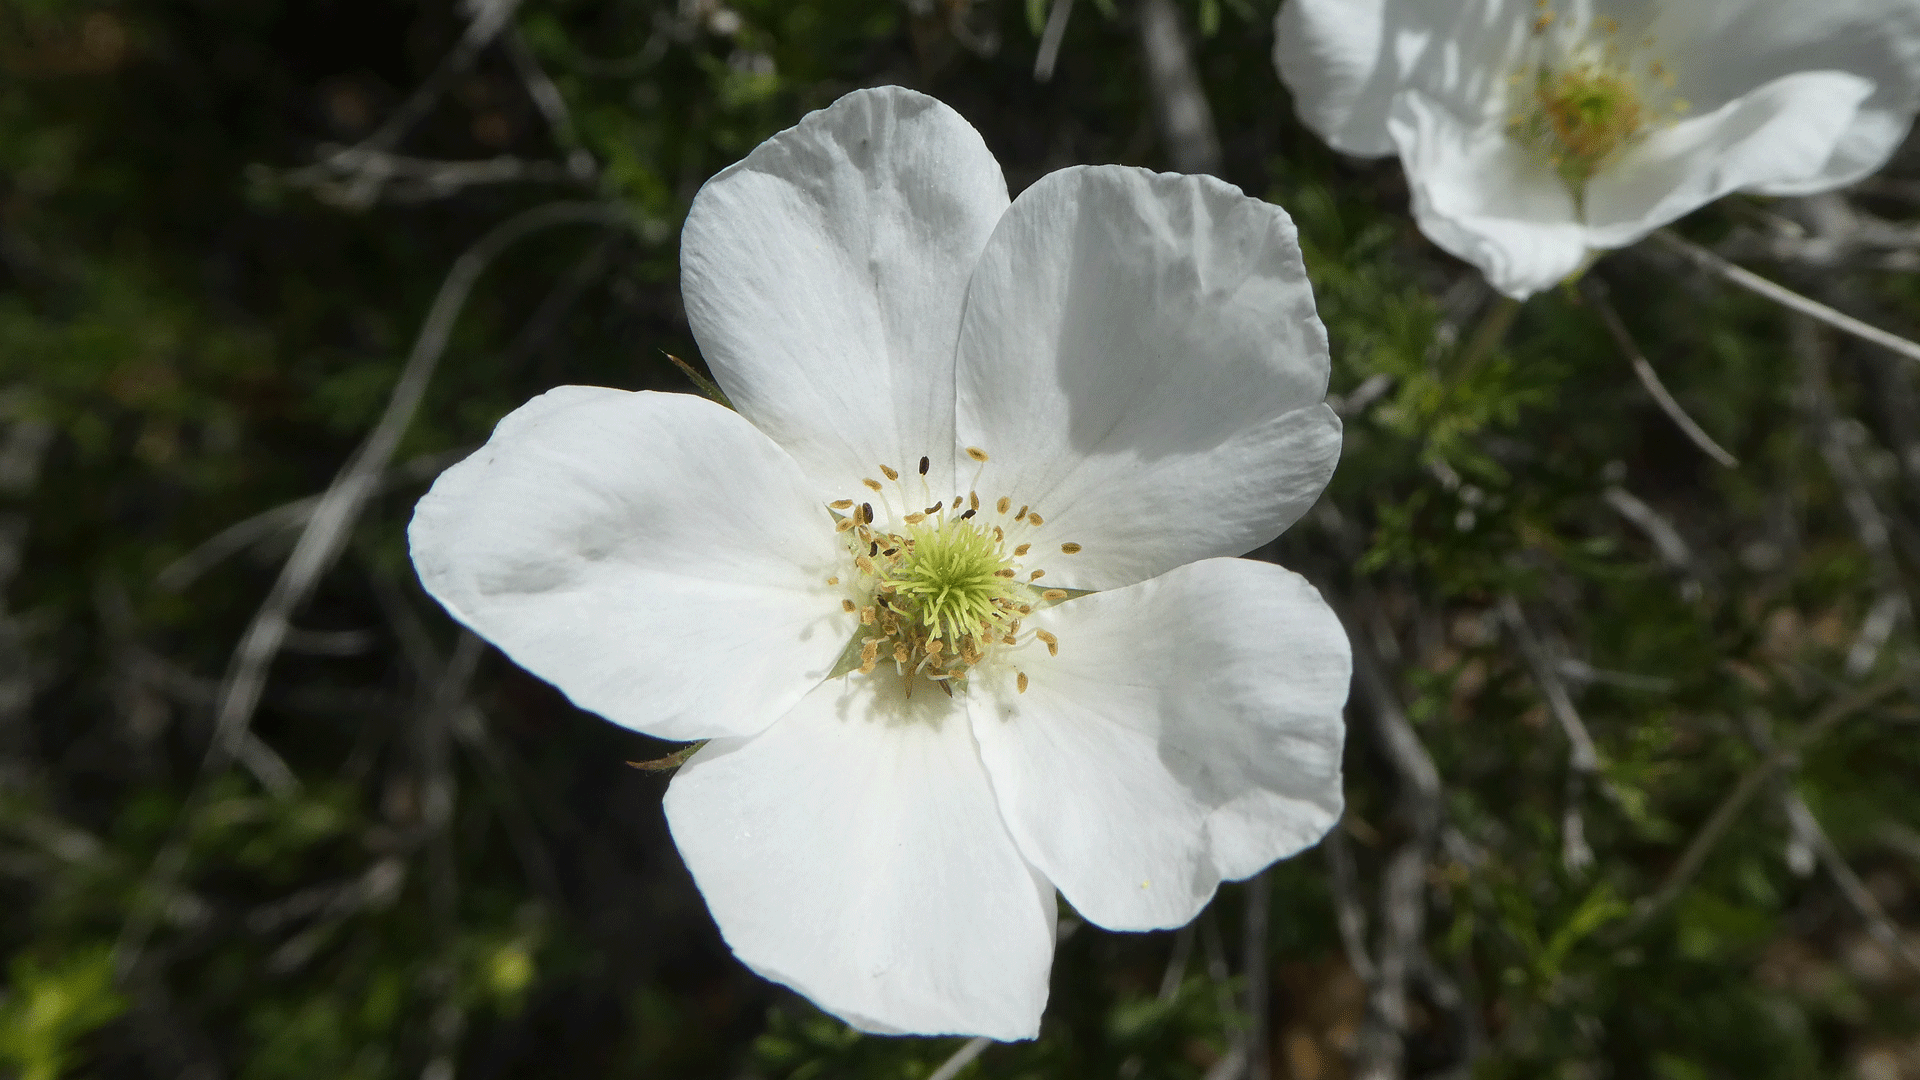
(953, 579)
(940, 588)
(1581, 101)
(1581, 117)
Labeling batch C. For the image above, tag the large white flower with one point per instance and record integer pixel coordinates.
(946, 591)
(1535, 132)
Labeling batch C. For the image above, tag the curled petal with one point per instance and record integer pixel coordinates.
(1487, 200)
(1782, 133)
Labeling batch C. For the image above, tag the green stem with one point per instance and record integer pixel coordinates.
(1486, 337)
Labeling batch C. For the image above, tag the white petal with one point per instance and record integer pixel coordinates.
(651, 555)
(853, 852)
(1189, 731)
(1141, 358)
(1346, 60)
(824, 275)
(1781, 133)
(1865, 146)
(1721, 50)
(1332, 56)
(1485, 199)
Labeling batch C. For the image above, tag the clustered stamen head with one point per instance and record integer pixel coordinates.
(1580, 102)
(941, 585)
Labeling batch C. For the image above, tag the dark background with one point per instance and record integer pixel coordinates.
(412, 859)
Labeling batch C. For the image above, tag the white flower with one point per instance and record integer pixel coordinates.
(917, 737)
(1536, 132)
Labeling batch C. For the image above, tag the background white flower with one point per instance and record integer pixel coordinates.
(1139, 357)
(1535, 132)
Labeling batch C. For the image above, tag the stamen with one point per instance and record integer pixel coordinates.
(973, 500)
(873, 484)
(1021, 515)
(847, 606)
(915, 518)
(841, 504)
(844, 524)
(1020, 681)
(890, 472)
(1036, 575)
(866, 616)
(1022, 550)
(968, 514)
(1002, 505)
(1054, 594)
(977, 454)
(1053, 643)
(833, 580)
(1034, 519)
(935, 508)
(866, 513)
(1070, 549)
(924, 466)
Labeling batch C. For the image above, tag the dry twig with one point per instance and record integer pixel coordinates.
(1179, 103)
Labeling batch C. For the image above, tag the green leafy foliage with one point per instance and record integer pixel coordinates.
(432, 865)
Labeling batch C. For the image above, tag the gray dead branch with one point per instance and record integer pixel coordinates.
(1180, 106)
(1596, 292)
(323, 539)
(1787, 298)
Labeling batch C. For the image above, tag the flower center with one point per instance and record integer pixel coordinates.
(939, 588)
(1583, 98)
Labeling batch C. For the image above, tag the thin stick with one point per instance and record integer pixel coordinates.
(961, 1058)
(323, 539)
(1488, 335)
(1050, 40)
(1729, 809)
(1253, 964)
(1179, 102)
(1804, 824)
(1787, 298)
(1596, 291)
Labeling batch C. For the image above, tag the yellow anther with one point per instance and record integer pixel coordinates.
(1036, 575)
(1020, 681)
(973, 500)
(1022, 550)
(1035, 519)
(1070, 549)
(847, 606)
(915, 518)
(977, 454)
(841, 504)
(872, 483)
(1002, 505)
(890, 471)
(1053, 594)
(866, 616)
(844, 524)
(1005, 572)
